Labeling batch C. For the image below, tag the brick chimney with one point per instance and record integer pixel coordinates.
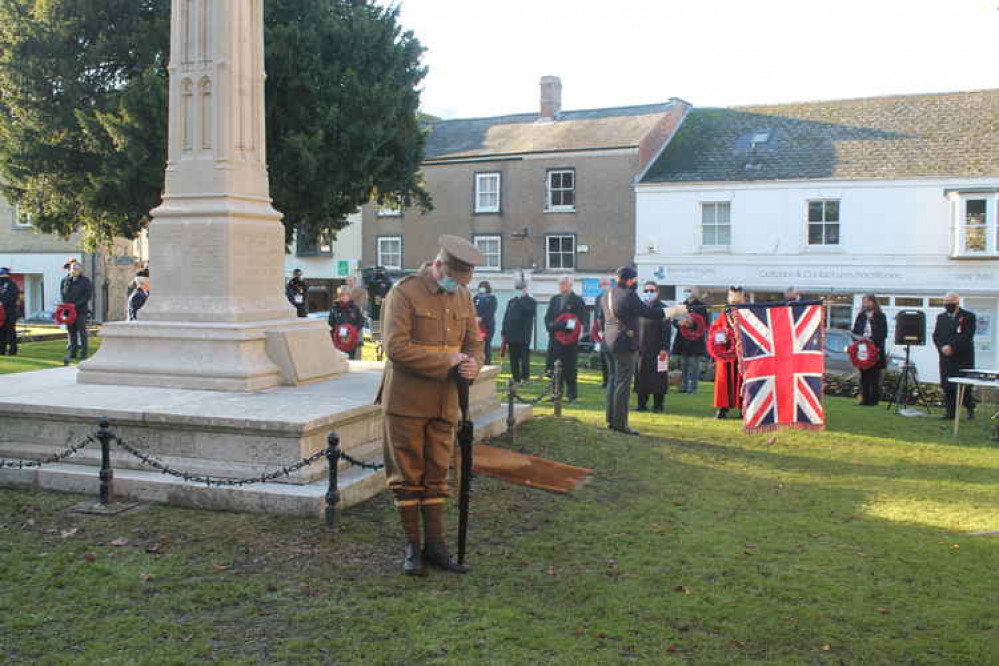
(551, 97)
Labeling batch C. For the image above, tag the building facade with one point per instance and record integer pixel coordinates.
(326, 261)
(897, 196)
(540, 194)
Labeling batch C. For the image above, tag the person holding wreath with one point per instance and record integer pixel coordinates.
(347, 324)
(871, 324)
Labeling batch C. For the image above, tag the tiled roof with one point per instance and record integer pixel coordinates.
(951, 134)
(525, 133)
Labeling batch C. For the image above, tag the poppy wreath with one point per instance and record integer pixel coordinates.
(65, 313)
(345, 337)
(564, 335)
(863, 354)
(482, 332)
(694, 330)
(721, 342)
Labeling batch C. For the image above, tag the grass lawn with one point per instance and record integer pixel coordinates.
(41, 355)
(692, 544)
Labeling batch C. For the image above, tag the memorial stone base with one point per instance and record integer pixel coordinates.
(208, 432)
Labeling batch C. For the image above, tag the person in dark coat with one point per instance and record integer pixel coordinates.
(622, 309)
(346, 311)
(954, 337)
(518, 327)
(10, 296)
(597, 329)
(138, 297)
(690, 351)
(567, 316)
(871, 324)
(77, 290)
(485, 311)
(654, 336)
(295, 292)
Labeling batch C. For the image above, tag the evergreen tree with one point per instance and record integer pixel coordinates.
(83, 95)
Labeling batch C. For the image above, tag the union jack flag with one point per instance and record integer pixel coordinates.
(783, 362)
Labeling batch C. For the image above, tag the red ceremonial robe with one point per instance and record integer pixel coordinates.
(728, 378)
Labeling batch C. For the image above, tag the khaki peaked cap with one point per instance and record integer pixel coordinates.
(459, 254)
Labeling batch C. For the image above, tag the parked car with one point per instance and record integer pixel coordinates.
(838, 359)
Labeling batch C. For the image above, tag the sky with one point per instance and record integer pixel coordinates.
(486, 57)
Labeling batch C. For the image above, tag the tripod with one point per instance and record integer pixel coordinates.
(905, 380)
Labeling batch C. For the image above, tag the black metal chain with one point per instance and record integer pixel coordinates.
(62, 455)
(213, 481)
(358, 463)
(548, 393)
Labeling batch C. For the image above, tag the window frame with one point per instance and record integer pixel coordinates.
(314, 247)
(477, 206)
(385, 211)
(702, 205)
(548, 256)
(824, 223)
(499, 251)
(990, 227)
(379, 253)
(17, 216)
(560, 208)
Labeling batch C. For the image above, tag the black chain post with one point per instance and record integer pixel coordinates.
(557, 387)
(333, 492)
(105, 436)
(511, 419)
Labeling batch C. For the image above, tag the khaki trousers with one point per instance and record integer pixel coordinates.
(417, 456)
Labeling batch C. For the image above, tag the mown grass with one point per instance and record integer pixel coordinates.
(41, 355)
(692, 544)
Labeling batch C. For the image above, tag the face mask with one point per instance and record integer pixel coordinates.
(951, 307)
(482, 290)
(448, 284)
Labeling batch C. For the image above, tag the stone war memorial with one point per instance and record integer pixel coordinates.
(220, 378)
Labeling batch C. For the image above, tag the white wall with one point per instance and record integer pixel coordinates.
(896, 238)
(347, 246)
(46, 270)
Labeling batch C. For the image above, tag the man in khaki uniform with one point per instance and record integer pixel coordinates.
(430, 338)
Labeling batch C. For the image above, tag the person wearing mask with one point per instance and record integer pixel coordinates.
(954, 337)
(622, 309)
(76, 290)
(346, 311)
(295, 292)
(728, 378)
(871, 324)
(518, 327)
(654, 336)
(138, 297)
(689, 347)
(432, 342)
(10, 296)
(566, 320)
(485, 309)
(597, 329)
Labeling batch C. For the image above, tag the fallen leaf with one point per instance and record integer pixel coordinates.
(956, 546)
(681, 588)
(772, 440)
(826, 647)
(672, 648)
(677, 503)
(153, 548)
(219, 567)
(145, 578)
(551, 571)
(883, 611)
(89, 557)
(790, 619)
(272, 588)
(120, 541)
(65, 534)
(30, 522)
(579, 632)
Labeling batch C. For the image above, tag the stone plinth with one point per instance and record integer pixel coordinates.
(228, 435)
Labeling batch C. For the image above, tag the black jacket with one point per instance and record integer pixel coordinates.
(518, 320)
(295, 287)
(346, 314)
(9, 295)
(958, 331)
(622, 308)
(485, 309)
(879, 330)
(681, 345)
(135, 303)
(78, 291)
(560, 304)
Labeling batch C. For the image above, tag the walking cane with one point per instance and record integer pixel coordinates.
(466, 436)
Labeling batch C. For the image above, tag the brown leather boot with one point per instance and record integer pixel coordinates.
(409, 514)
(434, 549)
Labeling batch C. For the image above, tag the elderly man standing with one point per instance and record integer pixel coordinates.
(566, 320)
(954, 337)
(139, 295)
(431, 339)
(9, 301)
(77, 290)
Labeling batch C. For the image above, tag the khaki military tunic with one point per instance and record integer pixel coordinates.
(423, 326)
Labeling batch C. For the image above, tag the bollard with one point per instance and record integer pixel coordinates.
(511, 420)
(333, 491)
(557, 388)
(107, 474)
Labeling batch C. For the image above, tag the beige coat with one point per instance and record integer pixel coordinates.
(423, 326)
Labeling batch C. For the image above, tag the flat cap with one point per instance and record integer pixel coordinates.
(460, 254)
(625, 273)
(4, 270)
